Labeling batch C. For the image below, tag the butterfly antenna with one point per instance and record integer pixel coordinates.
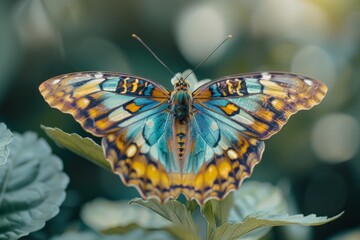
(152, 53)
(208, 56)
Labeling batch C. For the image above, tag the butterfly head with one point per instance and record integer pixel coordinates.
(181, 84)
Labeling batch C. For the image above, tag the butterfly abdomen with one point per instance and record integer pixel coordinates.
(181, 101)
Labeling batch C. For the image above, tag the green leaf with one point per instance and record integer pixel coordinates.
(254, 197)
(5, 140)
(207, 212)
(84, 147)
(177, 231)
(32, 186)
(256, 208)
(138, 234)
(221, 209)
(216, 213)
(191, 205)
(236, 230)
(176, 213)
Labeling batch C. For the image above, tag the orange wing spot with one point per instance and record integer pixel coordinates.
(244, 145)
(119, 144)
(224, 169)
(82, 103)
(199, 181)
(176, 178)
(238, 87)
(132, 107)
(103, 123)
(153, 174)
(139, 168)
(266, 115)
(164, 179)
(229, 86)
(211, 173)
(124, 86)
(319, 96)
(93, 113)
(260, 127)
(253, 141)
(323, 88)
(230, 109)
(158, 93)
(203, 94)
(59, 94)
(135, 85)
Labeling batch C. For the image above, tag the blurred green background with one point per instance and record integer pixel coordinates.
(314, 159)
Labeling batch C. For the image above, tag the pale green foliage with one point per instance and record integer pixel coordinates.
(5, 140)
(137, 234)
(102, 214)
(32, 186)
(84, 147)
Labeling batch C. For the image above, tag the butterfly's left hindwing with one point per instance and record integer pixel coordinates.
(101, 102)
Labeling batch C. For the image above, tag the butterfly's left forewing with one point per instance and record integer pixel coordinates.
(258, 104)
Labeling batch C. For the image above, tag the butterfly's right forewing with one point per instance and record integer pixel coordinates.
(100, 102)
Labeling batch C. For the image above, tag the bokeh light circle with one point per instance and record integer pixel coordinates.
(314, 61)
(199, 29)
(300, 21)
(335, 137)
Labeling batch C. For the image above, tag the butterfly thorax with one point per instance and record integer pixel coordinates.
(181, 100)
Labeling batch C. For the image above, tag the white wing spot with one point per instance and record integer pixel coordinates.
(131, 151)
(214, 126)
(98, 75)
(56, 81)
(266, 76)
(150, 123)
(308, 82)
(232, 154)
(118, 115)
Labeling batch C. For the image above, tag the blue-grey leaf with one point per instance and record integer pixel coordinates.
(138, 234)
(102, 214)
(173, 211)
(32, 187)
(258, 207)
(5, 139)
(232, 231)
(256, 197)
(84, 147)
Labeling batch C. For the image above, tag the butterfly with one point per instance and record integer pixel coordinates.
(200, 143)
